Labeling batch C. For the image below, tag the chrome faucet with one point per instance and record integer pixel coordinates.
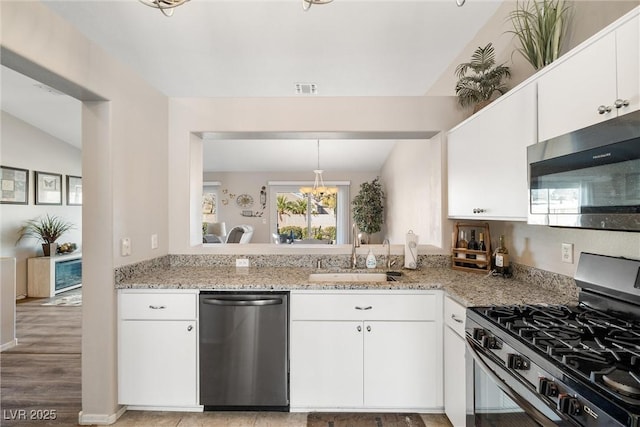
(388, 243)
(354, 244)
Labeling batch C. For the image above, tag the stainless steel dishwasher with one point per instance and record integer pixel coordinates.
(244, 350)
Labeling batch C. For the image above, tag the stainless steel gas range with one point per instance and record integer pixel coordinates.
(559, 365)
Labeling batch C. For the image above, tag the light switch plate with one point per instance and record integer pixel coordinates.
(125, 246)
(567, 253)
(154, 241)
(242, 262)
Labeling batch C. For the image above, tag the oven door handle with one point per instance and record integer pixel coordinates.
(531, 410)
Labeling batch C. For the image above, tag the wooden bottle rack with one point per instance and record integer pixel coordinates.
(459, 260)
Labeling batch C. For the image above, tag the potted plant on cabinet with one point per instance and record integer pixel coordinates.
(480, 79)
(48, 229)
(368, 208)
(539, 26)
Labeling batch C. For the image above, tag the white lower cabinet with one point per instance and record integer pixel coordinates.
(455, 390)
(157, 349)
(369, 350)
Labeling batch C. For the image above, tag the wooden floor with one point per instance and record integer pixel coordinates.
(40, 377)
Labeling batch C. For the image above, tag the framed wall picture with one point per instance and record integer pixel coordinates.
(14, 184)
(48, 188)
(74, 190)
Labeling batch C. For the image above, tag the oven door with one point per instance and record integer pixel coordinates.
(500, 399)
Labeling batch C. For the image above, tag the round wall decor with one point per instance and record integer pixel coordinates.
(244, 201)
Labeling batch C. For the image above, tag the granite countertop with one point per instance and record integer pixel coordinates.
(469, 289)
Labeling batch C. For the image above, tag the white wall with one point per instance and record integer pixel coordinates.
(26, 147)
(124, 169)
(413, 179)
(322, 114)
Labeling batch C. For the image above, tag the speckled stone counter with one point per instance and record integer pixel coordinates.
(467, 288)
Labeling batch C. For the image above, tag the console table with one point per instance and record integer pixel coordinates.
(50, 275)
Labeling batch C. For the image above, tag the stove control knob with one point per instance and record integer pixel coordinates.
(491, 342)
(515, 361)
(547, 387)
(568, 405)
(478, 333)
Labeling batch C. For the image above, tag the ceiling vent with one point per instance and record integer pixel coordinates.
(306, 89)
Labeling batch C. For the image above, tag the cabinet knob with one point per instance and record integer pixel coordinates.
(604, 109)
(359, 328)
(368, 328)
(190, 328)
(479, 210)
(619, 103)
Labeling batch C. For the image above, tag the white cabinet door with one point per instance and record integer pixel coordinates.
(326, 364)
(487, 159)
(606, 70)
(157, 363)
(402, 365)
(454, 378)
(628, 65)
(569, 95)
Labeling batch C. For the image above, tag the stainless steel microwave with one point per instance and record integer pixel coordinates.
(589, 178)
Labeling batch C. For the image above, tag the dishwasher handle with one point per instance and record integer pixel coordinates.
(242, 301)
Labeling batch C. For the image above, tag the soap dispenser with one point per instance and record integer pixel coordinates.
(371, 260)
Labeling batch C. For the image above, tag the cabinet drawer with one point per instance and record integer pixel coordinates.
(152, 306)
(365, 306)
(454, 315)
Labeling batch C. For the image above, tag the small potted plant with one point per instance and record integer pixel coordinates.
(480, 79)
(368, 208)
(48, 229)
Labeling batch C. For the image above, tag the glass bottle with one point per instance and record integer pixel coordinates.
(473, 245)
(482, 247)
(500, 259)
(462, 244)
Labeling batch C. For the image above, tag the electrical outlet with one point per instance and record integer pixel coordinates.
(242, 262)
(567, 253)
(154, 241)
(125, 246)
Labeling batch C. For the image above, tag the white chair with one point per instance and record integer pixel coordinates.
(240, 234)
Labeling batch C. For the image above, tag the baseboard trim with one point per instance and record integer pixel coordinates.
(197, 408)
(100, 419)
(8, 345)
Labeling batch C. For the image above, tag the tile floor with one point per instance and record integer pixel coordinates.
(234, 419)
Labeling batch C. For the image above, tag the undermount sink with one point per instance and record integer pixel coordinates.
(347, 277)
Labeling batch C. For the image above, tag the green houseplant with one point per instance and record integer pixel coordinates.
(540, 26)
(480, 79)
(48, 229)
(368, 207)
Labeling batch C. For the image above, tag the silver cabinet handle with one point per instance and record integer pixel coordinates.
(604, 109)
(190, 328)
(359, 328)
(368, 328)
(619, 103)
(479, 210)
(157, 307)
(455, 319)
(364, 308)
(242, 301)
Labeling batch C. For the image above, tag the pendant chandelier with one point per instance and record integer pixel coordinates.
(165, 6)
(306, 4)
(319, 189)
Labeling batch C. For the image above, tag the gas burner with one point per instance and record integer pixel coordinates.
(623, 382)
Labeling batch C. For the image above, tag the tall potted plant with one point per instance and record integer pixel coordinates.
(540, 26)
(480, 79)
(368, 208)
(48, 229)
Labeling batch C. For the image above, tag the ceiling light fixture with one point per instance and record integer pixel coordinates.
(165, 6)
(306, 4)
(319, 189)
(460, 3)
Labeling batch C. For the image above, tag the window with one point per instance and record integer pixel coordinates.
(303, 217)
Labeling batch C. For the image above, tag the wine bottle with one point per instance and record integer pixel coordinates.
(462, 244)
(500, 259)
(473, 245)
(482, 247)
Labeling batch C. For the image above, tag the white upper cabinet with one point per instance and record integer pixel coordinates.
(487, 159)
(597, 83)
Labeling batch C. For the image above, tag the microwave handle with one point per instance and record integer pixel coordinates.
(531, 410)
